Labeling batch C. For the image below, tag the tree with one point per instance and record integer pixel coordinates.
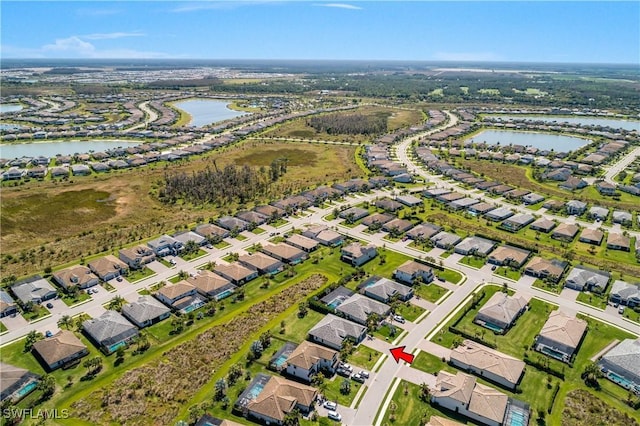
(292, 418)
(372, 322)
(235, 372)
(191, 247)
(65, 322)
(345, 387)
(220, 389)
(591, 374)
(257, 349)
(318, 380)
(116, 303)
(47, 385)
(265, 339)
(32, 338)
(302, 309)
(425, 392)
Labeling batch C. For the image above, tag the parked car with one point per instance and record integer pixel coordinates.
(441, 279)
(48, 334)
(49, 305)
(621, 310)
(357, 378)
(345, 366)
(399, 319)
(364, 374)
(342, 372)
(330, 405)
(334, 416)
(494, 267)
(119, 279)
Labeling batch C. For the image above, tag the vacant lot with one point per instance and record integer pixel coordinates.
(50, 223)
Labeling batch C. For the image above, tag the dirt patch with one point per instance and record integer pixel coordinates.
(581, 408)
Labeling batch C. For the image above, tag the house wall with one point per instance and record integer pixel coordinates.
(485, 374)
(542, 341)
(70, 358)
(301, 373)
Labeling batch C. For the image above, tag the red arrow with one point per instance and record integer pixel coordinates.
(399, 354)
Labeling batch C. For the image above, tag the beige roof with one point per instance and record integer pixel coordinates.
(566, 230)
(488, 402)
(618, 240)
(259, 260)
(504, 253)
(411, 266)
(442, 421)
(455, 386)
(308, 354)
(107, 264)
(280, 396)
(592, 234)
(564, 329)
(137, 251)
(59, 346)
(357, 249)
(487, 359)
(540, 264)
(302, 241)
(234, 270)
(282, 250)
(172, 291)
(503, 307)
(75, 275)
(207, 281)
(229, 423)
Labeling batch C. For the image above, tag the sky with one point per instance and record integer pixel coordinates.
(510, 31)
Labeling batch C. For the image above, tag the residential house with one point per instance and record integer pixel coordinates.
(236, 273)
(409, 200)
(575, 207)
(442, 421)
(165, 245)
(476, 246)
(410, 270)
(145, 311)
(110, 331)
(449, 197)
(384, 289)
(623, 360)
(622, 217)
(572, 184)
(211, 285)
(75, 276)
(488, 363)
(185, 236)
(324, 235)
(582, 278)
(353, 214)
(35, 290)
(59, 350)
(271, 212)
(565, 232)
(509, 256)
(358, 254)
(357, 308)
(232, 224)
(309, 359)
(398, 226)
(285, 253)
(598, 213)
(181, 296)
(463, 203)
(388, 204)
(616, 241)
(7, 305)
(501, 311)
(16, 382)
(461, 393)
(377, 219)
(606, 188)
(207, 420)
(445, 240)
(499, 214)
(108, 267)
(262, 263)
(591, 236)
(480, 209)
(210, 231)
(253, 218)
(560, 336)
(303, 243)
(625, 293)
(332, 330)
(555, 205)
(543, 225)
(517, 222)
(532, 198)
(543, 268)
(424, 231)
(278, 398)
(136, 257)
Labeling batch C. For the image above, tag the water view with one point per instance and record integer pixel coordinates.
(584, 121)
(10, 108)
(50, 149)
(544, 141)
(207, 111)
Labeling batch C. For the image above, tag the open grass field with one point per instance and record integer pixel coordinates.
(50, 223)
(431, 292)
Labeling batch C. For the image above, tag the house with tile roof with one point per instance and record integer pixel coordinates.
(384, 289)
(623, 360)
(560, 336)
(582, 278)
(34, 289)
(16, 382)
(236, 273)
(332, 330)
(625, 293)
(308, 359)
(63, 348)
(7, 305)
(357, 308)
(500, 312)
(108, 267)
(75, 276)
(145, 311)
(110, 331)
(410, 270)
(357, 254)
(488, 363)
(278, 398)
(211, 285)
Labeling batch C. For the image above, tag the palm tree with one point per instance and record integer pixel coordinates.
(425, 392)
(116, 303)
(65, 322)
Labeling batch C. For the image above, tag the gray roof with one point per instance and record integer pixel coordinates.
(385, 288)
(577, 204)
(408, 199)
(464, 202)
(334, 330)
(476, 244)
(621, 216)
(424, 230)
(109, 328)
(183, 237)
(503, 308)
(499, 213)
(581, 276)
(231, 223)
(144, 309)
(445, 238)
(600, 212)
(625, 290)
(359, 307)
(162, 241)
(357, 212)
(625, 355)
(33, 289)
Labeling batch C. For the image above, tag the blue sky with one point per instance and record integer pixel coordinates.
(542, 31)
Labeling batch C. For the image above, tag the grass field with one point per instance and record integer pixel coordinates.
(138, 274)
(431, 292)
(103, 212)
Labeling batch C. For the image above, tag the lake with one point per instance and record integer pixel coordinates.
(50, 149)
(207, 111)
(584, 121)
(544, 141)
(10, 108)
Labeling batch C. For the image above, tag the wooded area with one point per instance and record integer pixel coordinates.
(349, 124)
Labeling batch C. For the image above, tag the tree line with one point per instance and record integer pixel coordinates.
(349, 124)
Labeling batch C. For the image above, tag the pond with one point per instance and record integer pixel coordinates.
(50, 149)
(584, 121)
(543, 141)
(207, 111)
(10, 108)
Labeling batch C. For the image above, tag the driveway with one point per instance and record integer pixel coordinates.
(15, 322)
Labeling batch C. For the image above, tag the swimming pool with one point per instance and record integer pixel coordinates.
(517, 419)
(255, 391)
(492, 327)
(554, 354)
(622, 381)
(336, 302)
(280, 360)
(224, 294)
(25, 390)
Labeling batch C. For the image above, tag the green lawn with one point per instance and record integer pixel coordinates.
(3, 328)
(37, 312)
(384, 332)
(431, 292)
(425, 247)
(409, 311)
(70, 301)
(278, 223)
(445, 254)
(631, 314)
(174, 279)
(193, 255)
(553, 288)
(596, 300)
(240, 237)
(473, 261)
(450, 275)
(296, 329)
(431, 364)
(138, 274)
(364, 357)
(507, 272)
(258, 231)
(332, 391)
(165, 262)
(221, 245)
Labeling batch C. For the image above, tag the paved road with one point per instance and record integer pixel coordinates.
(151, 116)
(619, 166)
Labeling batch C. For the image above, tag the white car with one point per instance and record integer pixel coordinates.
(330, 405)
(399, 318)
(364, 374)
(334, 415)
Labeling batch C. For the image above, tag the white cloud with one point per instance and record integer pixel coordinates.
(339, 6)
(220, 5)
(97, 12)
(110, 36)
(467, 56)
(71, 44)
